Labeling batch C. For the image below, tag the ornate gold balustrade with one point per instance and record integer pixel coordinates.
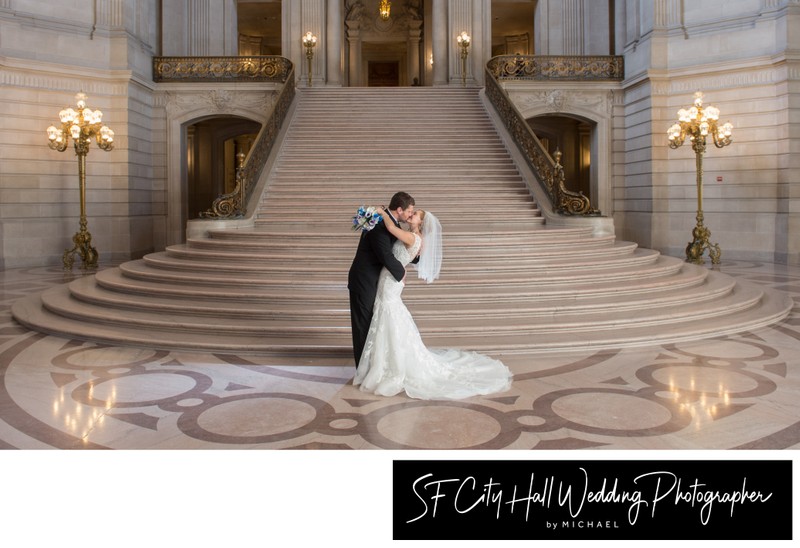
(557, 67)
(256, 68)
(548, 170)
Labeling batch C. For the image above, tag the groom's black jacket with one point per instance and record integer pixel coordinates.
(373, 253)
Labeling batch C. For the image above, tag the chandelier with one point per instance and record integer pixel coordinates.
(384, 9)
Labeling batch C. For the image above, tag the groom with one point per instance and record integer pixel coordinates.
(374, 252)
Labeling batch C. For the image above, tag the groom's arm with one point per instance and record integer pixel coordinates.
(381, 245)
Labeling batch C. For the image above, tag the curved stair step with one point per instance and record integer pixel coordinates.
(685, 276)
(294, 307)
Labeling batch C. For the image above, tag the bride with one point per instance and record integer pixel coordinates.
(395, 358)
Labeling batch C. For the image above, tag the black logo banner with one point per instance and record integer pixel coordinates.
(598, 500)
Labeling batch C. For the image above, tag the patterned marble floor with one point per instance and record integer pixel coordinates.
(732, 392)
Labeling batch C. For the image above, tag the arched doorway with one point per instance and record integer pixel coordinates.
(573, 137)
(212, 145)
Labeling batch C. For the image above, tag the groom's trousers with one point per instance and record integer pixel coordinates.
(360, 319)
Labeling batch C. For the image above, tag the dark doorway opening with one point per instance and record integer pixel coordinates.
(383, 74)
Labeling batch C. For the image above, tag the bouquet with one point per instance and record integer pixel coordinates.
(366, 218)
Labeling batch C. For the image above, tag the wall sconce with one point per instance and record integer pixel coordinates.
(463, 40)
(309, 41)
(82, 125)
(696, 123)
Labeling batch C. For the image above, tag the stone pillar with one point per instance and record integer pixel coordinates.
(572, 19)
(414, 36)
(354, 49)
(440, 43)
(334, 43)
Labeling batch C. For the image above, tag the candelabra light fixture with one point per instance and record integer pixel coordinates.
(463, 40)
(82, 126)
(309, 41)
(384, 9)
(697, 123)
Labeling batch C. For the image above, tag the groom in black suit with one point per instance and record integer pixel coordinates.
(374, 252)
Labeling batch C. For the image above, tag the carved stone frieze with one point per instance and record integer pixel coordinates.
(219, 101)
(599, 102)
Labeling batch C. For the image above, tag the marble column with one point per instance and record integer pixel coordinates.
(354, 49)
(440, 44)
(414, 37)
(334, 43)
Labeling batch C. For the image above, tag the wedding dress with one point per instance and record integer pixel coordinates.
(396, 359)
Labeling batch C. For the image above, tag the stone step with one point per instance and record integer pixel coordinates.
(622, 254)
(286, 244)
(641, 265)
(466, 255)
(678, 277)
(462, 232)
(332, 342)
(218, 317)
(429, 311)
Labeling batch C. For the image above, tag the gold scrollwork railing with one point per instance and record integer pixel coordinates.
(548, 170)
(557, 67)
(256, 68)
(234, 204)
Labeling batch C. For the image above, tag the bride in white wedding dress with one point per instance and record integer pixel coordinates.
(395, 358)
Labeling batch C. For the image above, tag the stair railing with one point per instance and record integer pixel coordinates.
(268, 68)
(547, 169)
(234, 204)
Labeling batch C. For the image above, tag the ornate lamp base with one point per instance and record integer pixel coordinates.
(83, 246)
(698, 246)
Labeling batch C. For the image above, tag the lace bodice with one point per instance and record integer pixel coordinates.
(406, 254)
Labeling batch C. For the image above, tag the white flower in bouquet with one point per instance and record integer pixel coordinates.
(366, 218)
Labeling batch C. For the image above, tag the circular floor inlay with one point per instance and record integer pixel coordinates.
(722, 350)
(611, 411)
(256, 417)
(150, 387)
(110, 357)
(440, 427)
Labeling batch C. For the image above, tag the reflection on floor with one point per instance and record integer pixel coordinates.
(733, 392)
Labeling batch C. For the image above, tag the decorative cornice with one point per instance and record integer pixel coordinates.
(48, 76)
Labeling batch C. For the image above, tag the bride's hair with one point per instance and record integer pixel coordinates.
(421, 219)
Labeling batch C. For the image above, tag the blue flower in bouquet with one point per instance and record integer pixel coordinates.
(366, 218)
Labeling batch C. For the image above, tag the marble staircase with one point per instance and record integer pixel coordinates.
(510, 283)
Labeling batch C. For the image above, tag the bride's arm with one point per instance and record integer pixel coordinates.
(404, 236)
